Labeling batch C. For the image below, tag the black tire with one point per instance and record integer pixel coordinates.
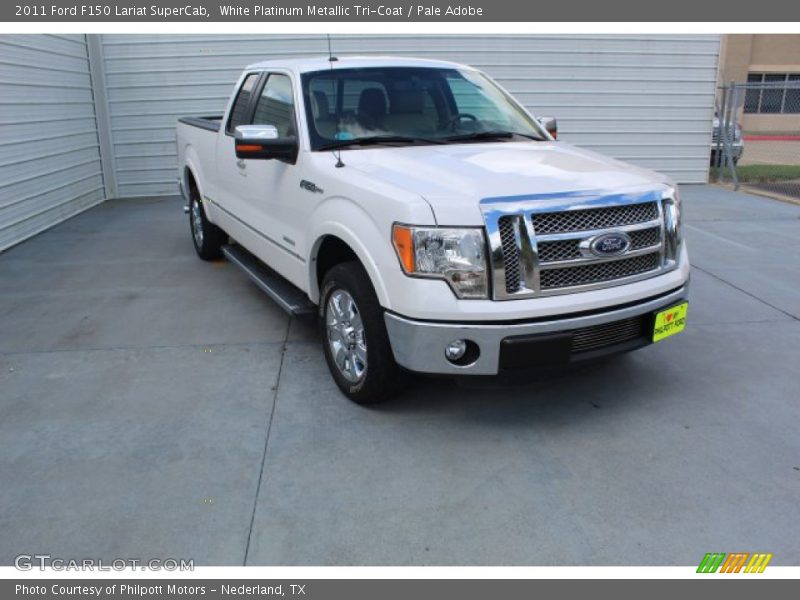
(382, 378)
(207, 238)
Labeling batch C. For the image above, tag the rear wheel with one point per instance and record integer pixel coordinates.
(354, 336)
(208, 238)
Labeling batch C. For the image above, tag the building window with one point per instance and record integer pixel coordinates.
(773, 93)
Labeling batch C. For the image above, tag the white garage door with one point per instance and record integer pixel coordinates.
(644, 99)
(49, 156)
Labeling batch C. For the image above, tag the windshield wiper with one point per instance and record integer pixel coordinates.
(375, 140)
(490, 135)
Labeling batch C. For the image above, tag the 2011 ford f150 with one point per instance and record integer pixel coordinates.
(433, 224)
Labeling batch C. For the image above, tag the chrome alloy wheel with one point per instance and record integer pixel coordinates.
(197, 223)
(346, 338)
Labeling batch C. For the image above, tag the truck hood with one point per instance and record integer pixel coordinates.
(453, 179)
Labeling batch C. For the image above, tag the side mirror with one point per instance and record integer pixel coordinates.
(549, 123)
(264, 142)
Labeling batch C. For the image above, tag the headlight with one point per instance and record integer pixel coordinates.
(672, 223)
(455, 255)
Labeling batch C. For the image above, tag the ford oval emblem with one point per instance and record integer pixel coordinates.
(610, 244)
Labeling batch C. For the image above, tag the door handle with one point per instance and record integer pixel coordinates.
(241, 164)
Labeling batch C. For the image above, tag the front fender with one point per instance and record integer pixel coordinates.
(346, 220)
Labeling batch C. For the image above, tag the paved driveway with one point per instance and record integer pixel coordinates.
(152, 405)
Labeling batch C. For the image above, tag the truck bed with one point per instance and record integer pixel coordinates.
(211, 122)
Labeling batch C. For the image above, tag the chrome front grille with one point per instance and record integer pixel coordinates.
(545, 246)
(644, 238)
(599, 271)
(511, 250)
(594, 218)
(570, 249)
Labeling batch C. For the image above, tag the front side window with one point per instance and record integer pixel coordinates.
(275, 105)
(242, 103)
(410, 104)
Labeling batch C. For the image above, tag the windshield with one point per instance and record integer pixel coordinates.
(404, 105)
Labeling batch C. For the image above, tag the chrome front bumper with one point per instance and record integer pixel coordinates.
(419, 345)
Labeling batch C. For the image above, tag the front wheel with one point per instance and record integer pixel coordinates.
(354, 336)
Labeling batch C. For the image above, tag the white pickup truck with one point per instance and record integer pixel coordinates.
(433, 223)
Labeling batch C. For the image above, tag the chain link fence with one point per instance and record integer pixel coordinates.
(756, 137)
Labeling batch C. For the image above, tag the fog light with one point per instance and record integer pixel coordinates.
(455, 349)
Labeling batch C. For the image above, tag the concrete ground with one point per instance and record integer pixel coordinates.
(153, 405)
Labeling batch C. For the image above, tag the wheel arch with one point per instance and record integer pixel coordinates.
(190, 180)
(193, 171)
(336, 247)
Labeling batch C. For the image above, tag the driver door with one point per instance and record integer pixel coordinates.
(266, 190)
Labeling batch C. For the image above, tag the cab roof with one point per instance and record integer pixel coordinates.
(319, 63)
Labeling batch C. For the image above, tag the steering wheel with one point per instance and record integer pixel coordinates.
(454, 121)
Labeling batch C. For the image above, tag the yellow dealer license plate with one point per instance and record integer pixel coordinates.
(670, 321)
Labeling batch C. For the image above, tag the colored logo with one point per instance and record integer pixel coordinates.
(736, 562)
(670, 321)
(609, 244)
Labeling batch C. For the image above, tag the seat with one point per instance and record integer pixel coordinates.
(372, 108)
(407, 113)
(321, 106)
(323, 120)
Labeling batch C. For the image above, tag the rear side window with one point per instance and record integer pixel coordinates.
(242, 102)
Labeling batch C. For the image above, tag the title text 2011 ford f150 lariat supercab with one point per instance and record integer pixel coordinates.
(431, 221)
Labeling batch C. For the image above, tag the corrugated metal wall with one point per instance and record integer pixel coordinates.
(645, 99)
(49, 152)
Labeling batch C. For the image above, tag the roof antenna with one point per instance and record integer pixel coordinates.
(331, 60)
(331, 57)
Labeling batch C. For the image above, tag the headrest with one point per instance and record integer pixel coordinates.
(408, 102)
(372, 102)
(323, 107)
